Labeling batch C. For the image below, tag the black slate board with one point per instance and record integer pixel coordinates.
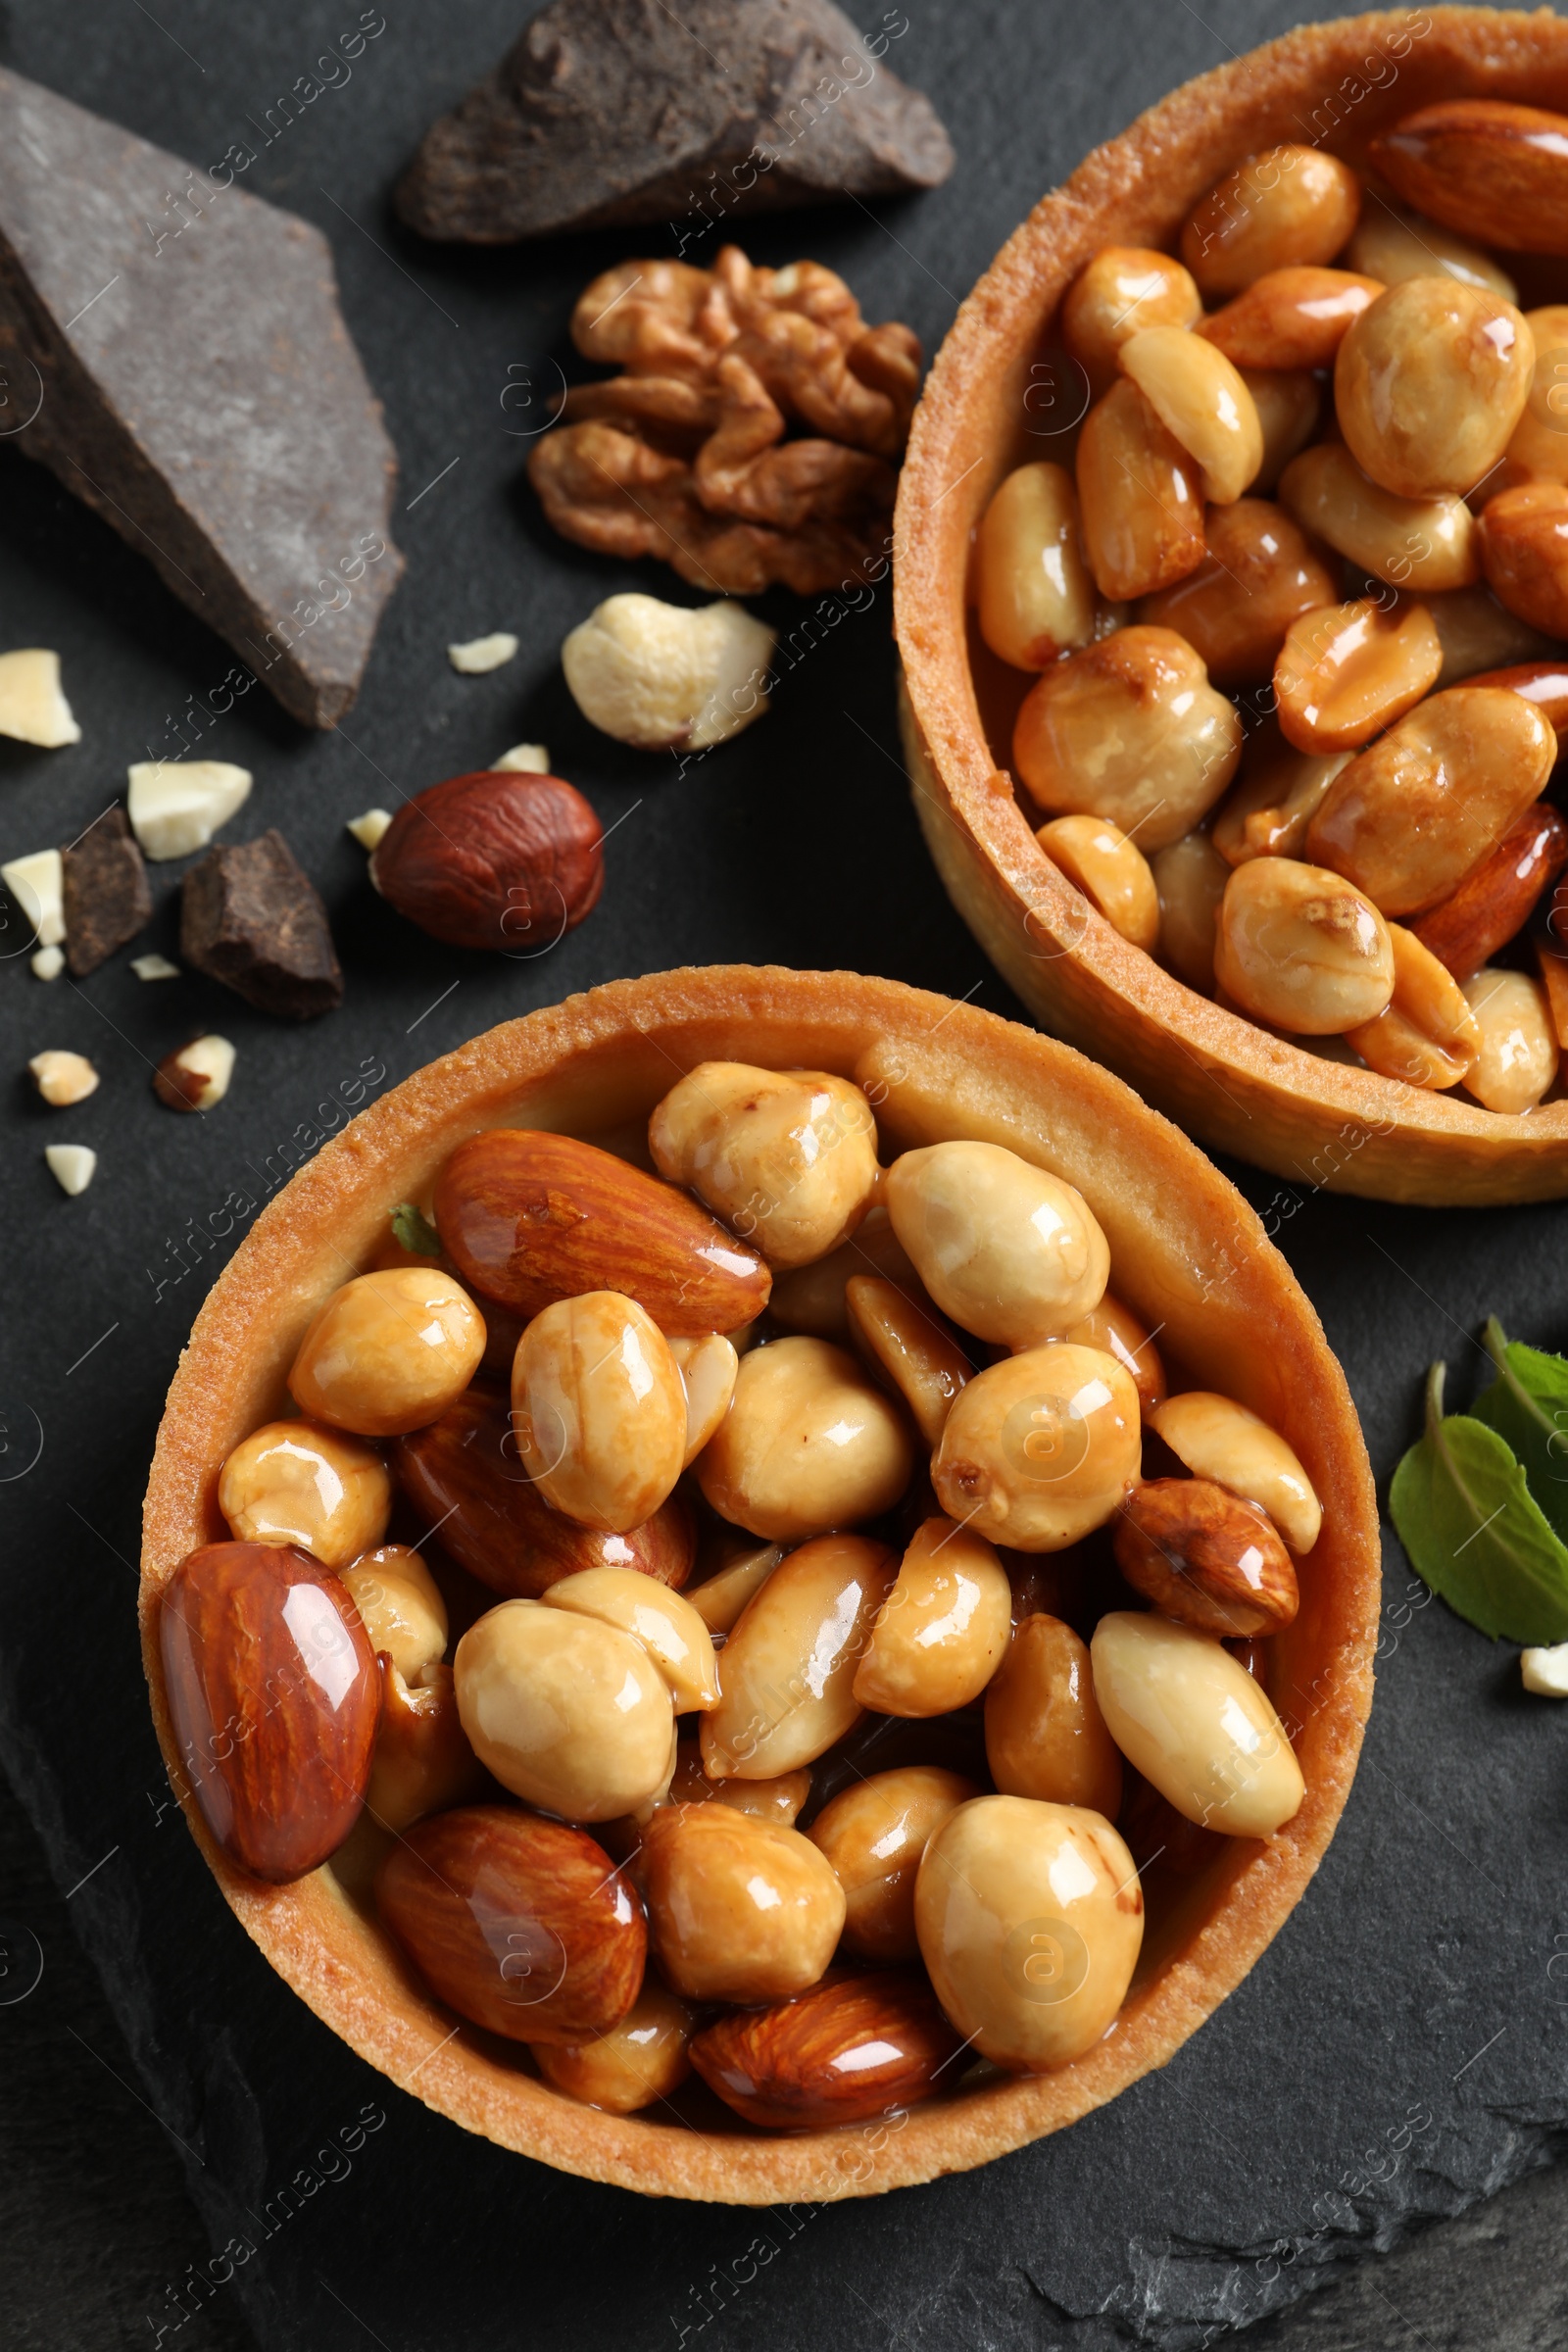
(1400, 2051)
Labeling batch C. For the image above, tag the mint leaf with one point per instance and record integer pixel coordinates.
(1528, 1408)
(1473, 1532)
(414, 1231)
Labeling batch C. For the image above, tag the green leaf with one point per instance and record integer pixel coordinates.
(1473, 1532)
(414, 1231)
(1527, 1405)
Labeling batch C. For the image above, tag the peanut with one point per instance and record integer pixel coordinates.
(1190, 875)
(1141, 497)
(1347, 672)
(1517, 1060)
(1425, 545)
(1008, 1250)
(1524, 547)
(1036, 597)
(941, 1629)
(1123, 290)
(1302, 949)
(1427, 1035)
(1294, 317)
(1044, 1735)
(1111, 871)
(1286, 206)
(1261, 573)
(1192, 1720)
(1430, 383)
(1198, 397)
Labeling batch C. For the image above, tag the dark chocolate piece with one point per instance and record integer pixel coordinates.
(104, 891)
(610, 111)
(250, 918)
(193, 380)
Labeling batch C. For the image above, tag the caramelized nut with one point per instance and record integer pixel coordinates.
(1130, 730)
(571, 1714)
(1524, 546)
(1425, 545)
(1008, 1250)
(1394, 243)
(1517, 1060)
(1190, 875)
(1479, 634)
(720, 1600)
(1111, 871)
(1275, 798)
(292, 1482)
(1427, 1035)
(912, 1345)
(643, 2058)
(1206, 1557)
(1220, 1440)
(812, 1299)
(1123, 290)
(668, 1628)
(786, 1157)
(1539, 449)
(740, 1909)
(195, 1076)
(1261, 573)
(1193, 1721)
(1030, 1918)
(1493, 170)
(599, 1410)
(1117, 1330)
(1409, 817)
(838, 2055)
(1036, 597)
(874, 1834)
(1287, 205)
(807, 1445)
(789, 1666)
(423, 1762)
(399, 1607)
(63, 1078)
(778, 1799)
(1302, 949)
(1289, 404)
(1044, 1735)
(1200, 398)
(1040, 1449)
(1350, 671)
(1293, 318)
(522, 1925)
(1139, 495)
(388, 1352)
(941, 1631)
(709, 1368)
(1497, 898)
(1544, 685)
(1429, 384)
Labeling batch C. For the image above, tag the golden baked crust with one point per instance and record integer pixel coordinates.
(1189, 1255)
(1237, 1087)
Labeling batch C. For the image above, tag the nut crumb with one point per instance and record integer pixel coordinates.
(38, 884)
(482, 654)
(196, 1076)
(154, 968)
(48, 963)
(523, 760)
(1546, 1671)
(33, 705)
(63, 1078)
(369, 828)
(176, 805)
(71, 1166)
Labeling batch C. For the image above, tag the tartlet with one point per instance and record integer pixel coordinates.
(1309, 1118)
(1193, 1259)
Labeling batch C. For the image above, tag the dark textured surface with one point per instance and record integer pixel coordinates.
(1398, 2054)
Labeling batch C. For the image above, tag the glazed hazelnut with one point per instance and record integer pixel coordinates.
(1301, 949)
(874, 1834)
(400, 1606)
(1517, 1060)
(1030, 1919)
(1044, 1735)
(739, 1909)
(942, 1630)
(1289, 207)
(788, 1676)
(1430, 383)
(599, 1410)
(1040, 1449)
(1193, 1721)
(293, 1482)
(571, 1714)
(668, 1628)
(643, 2058)
(1124, 289)
(786, 1157)
(388, 1352)
(1008, 1250)
(1117, 1330)
(1132, 730)
(808, 1444)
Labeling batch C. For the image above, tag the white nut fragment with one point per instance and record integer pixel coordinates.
(176, 805)
(63, 1078)
(1546, 1671)
(369, 828)
(482, 654)
(523, 760)
(664, 678)
(33, 705)
(154, 968)
(71, 1166)
(195, 1077)
(48, 963)
(37, 885)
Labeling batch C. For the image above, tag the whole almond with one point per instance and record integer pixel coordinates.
(1491, 169)
(836, 2055)
(1206, 1557)
(275, 1694)
(1498, 896)
(523, 1926)
(530, 1217)
(466, 1478)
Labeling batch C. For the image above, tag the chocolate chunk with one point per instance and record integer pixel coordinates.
(250, 918)
(191, 378)
(611, 111)
(104, 892)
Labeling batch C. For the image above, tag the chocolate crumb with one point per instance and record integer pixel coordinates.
(104, 892)
(251, 919)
